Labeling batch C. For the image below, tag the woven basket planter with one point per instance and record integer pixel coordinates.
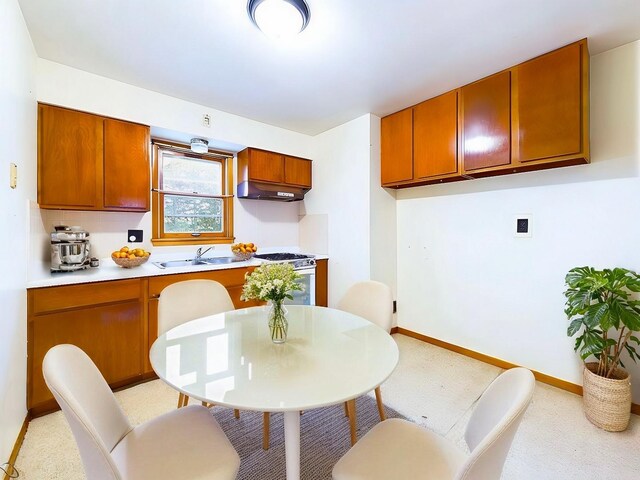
(607, 401)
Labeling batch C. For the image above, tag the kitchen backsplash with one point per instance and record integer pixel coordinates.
(268, 224)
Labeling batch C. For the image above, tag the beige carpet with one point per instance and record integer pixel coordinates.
(431, 386)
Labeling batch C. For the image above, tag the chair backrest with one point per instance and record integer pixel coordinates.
(191, 299)
(494, 423)
(95, 417)
(371, 300)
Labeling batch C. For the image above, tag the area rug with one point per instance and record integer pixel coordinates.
(324, 438)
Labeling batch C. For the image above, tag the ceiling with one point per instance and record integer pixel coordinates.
(355, 56)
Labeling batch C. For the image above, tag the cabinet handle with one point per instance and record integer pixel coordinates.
(195, 234)
(154, 297)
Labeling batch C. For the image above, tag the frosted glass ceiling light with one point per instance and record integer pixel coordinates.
(199, 145)
(279, 18)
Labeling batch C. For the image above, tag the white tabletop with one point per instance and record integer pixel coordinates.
(228, 359)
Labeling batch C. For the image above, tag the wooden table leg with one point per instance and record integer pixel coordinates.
(351, 407)
(383, 416)
(266, 420)
(292, 444)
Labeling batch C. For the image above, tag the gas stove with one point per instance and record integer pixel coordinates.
(299, 261)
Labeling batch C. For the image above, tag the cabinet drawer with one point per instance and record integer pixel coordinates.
(228, 278)
(68, 297)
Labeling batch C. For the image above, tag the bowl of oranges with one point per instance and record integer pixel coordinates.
(244, 250)
(130, 257)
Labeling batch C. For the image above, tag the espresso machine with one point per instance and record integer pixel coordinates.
(70, 249)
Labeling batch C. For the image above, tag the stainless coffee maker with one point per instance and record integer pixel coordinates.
(70, 249)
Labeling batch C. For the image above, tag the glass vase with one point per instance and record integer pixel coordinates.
(278, 324)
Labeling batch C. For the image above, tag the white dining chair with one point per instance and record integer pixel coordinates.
(401, 450)
(373, 301)
(183, 301)
(184, 443)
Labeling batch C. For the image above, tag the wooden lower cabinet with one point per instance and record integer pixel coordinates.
(115, 323)
(105, 319)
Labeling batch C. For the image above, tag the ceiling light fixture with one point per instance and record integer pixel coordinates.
(279, 18)
(199, 145)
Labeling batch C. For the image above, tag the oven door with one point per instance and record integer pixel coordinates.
(308, 295)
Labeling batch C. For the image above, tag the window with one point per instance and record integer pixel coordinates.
(192, 196)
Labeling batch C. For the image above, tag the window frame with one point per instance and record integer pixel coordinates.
(159, 236)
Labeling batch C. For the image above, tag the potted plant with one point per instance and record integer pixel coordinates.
(602, 310)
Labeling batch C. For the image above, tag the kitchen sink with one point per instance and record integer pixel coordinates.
(203, 261)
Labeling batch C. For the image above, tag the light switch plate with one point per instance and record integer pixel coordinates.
(13, 175)
(522, 225)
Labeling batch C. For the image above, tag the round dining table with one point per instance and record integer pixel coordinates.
(330, 357)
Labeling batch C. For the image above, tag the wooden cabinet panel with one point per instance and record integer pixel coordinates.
(435, 136)
(89, 162)
(297, 171)
(549, 105)
(266, 166)
(52, 299)
(111, 335)
(397, 147)
(486, 121)
(126, 166)
(69, 159)
(322, 274)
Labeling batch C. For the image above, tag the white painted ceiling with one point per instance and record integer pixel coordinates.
(356, 56)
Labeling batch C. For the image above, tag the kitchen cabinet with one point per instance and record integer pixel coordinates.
(115, 323)
(397, 147)
(435, 136)
(486, 122)
(532, 116)
(90, 162)
(271, 167)
(551, 105)
(105, 319)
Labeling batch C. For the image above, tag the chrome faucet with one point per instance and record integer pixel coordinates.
(199, 254)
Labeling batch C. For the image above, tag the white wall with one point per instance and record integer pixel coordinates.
(347, 211)
(17, 145)
(464, 278)
(268, 224)
(341, 191)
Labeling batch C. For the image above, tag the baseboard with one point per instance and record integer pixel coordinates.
(541, 377)
(16, 446)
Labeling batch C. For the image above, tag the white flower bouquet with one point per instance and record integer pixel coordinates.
(271, 281)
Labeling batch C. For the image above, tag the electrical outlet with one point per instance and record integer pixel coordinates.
(134, 236)
(206, 120)
(395, 306)
(523, 225)
(13, 175)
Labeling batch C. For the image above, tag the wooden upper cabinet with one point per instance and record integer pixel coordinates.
(435, 136)
(126, 152)
(271, 167)
(69, 158)
(90, 162)
(548, 96)
(486, 120)
(397, 147)
(266, 166)
(297, 171)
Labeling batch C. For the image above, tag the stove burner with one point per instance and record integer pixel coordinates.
(279, 257)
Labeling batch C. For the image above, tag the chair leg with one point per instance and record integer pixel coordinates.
(266, 419)
(351, 405)
(346, 409)
(383, 416)
(186, 401)
(180, 400)
(236, 413)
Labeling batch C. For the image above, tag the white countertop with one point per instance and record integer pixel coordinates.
(108, 270)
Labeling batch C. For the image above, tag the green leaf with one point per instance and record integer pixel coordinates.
(630, 318)
(595, 314)
(574, 327)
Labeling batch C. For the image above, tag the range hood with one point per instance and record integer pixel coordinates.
(270, 191)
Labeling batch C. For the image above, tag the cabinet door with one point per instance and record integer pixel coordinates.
(266, 166)
(297, 171)
(126, 166)
(549, 105)
(435, 136)
(487, 122)
(111, 335)
(397, 147)
(69, 159)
